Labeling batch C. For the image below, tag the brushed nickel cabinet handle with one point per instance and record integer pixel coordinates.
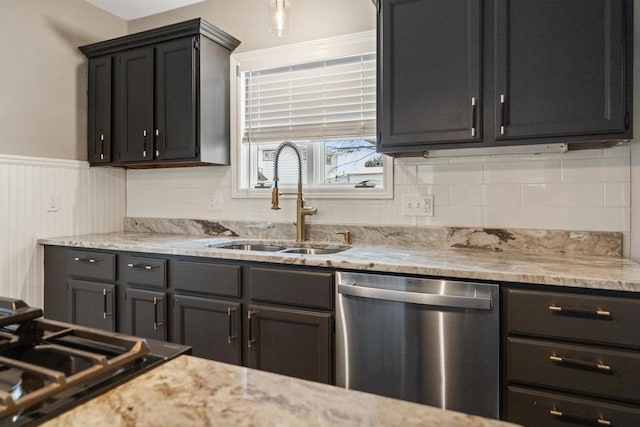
(580, 311)
(589, 421)
(582, 363)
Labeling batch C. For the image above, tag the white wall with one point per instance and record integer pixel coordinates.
(247, 20)
(635, 146)
(89, 201)
(578, 190)
(43, 77)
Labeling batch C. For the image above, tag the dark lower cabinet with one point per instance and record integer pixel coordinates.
(571, 358)
(147, 314)
(538, 408)
(211, 327)
(290, 342)
(92, 304)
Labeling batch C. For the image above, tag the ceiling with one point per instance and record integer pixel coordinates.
(134, 9)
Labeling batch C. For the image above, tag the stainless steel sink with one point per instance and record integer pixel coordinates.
(250, 247)
(315, 251)
(288, 247)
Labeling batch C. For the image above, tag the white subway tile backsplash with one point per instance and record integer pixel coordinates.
(454, 216)
(441, 193)
(617, 194)
(581, 189)
(558, 218)
(485, 195)
(450, 173)
(610, 169)
(522, 172)
(405, 175)
(588, 194)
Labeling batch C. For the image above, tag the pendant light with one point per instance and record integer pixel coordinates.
(280, 21)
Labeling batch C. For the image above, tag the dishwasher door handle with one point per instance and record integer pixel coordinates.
(478, 303)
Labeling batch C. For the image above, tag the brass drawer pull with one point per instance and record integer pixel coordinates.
(230, 336)
(599, 420)
(250, 316)
(156, 323)
(142, 266)
(87, 260)
(597, 312)
(105, 312)
(582, 363)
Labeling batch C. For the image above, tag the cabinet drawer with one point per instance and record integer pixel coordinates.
(589, 318)
(145, 271)
(217, 279)
(92, 265)
(584, 369)
(534, 408)
(301, 288)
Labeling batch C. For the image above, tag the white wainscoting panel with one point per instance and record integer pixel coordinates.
(90, 200)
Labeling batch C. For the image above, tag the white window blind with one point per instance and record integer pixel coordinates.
(319, 100)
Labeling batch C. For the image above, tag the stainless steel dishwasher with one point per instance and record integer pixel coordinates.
(428, 341)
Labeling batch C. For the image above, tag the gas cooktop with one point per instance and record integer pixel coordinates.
(47, 367)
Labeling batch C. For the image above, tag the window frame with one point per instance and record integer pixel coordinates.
(316, 50)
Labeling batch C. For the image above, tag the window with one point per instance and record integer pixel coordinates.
(321, 96)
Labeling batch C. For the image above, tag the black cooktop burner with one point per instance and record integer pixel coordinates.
(47, 367)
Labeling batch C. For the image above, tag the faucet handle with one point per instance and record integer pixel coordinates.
(275, 199)
(347, 236)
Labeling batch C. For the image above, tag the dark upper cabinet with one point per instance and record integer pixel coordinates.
(99, 108)
(171, 96)
(560, 68)
(428, 72)
(538, 71)
(176, 102)
(133, 87)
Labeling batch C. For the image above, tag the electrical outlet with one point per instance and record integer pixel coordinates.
(417, 205)
(214, 202)
(53, 203)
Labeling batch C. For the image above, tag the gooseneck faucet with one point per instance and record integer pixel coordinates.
(301, 210)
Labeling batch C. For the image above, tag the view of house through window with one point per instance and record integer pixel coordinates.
(324, 101)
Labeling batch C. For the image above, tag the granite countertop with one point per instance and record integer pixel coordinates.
(189, 391)
(597, 272)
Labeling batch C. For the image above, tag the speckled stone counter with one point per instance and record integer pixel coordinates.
(598, 272)
(189, 391)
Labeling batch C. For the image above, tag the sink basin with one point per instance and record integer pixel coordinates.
(315, 251)
(250, 247)
(285, 247)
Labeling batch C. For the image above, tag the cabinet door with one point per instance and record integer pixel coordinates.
(99, 124)
(211, 327)
(147, 312)
(176, 99)
(134, 106)
(92, 304)
(560, 68)
(428, 72)
(290, 342)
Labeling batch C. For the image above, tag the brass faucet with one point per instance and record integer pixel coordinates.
(301, 210)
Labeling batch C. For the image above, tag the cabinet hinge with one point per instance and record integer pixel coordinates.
(627, 120)
(196, 43)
